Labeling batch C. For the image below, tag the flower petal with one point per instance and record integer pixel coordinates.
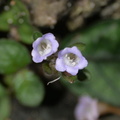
(59, 65)
(63, 52)
(55, 45)
(83, 63)
(71, 70)
(76, 51)
(36, 57)
(37, 42)
(48, 36)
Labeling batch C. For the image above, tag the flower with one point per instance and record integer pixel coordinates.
(70, 60)
(86, 109)
(43, 47)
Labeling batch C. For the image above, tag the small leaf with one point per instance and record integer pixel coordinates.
(4, 104)
(36, 35)
(83, 75)
(49, 70)
(13, 56)
(80, 46)
(29, 90)
(66, 76)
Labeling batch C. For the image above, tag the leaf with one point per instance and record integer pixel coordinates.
(4, 104)
(49, 71)
(5, 19)
(99, 33)
(13, 56)
(13, 15)
(102, 51)
(36, 35)
(29, 90)
(69, 78)
(25, 33)
(18, 16)
(80, 46)
(105, 81)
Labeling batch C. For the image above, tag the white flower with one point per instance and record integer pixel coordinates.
(70, 60)
(43, 47)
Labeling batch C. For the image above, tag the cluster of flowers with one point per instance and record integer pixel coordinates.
(69, 59)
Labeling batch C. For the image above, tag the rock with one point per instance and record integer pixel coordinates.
(46, 12)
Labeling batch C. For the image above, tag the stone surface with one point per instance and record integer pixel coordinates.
(46, 12)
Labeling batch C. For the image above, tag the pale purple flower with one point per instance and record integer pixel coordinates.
(70, 60)
(43, 47)
(86, 109)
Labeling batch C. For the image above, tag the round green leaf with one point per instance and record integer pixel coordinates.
(13, 56)
(28, 88)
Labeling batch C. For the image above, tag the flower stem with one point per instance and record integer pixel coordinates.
(54, 80)
(104, 108)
